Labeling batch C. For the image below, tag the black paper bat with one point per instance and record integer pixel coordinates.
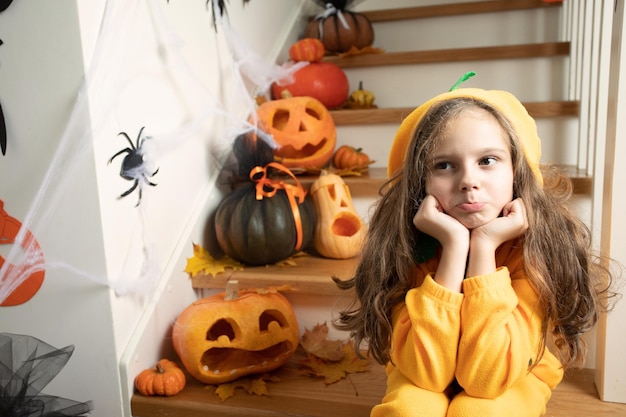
(4, 4)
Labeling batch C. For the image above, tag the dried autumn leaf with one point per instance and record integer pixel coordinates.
(315, 342)
(251, 385)
(203, 262)
(335, 371)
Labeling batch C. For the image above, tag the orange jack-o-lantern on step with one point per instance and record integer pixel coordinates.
(340, 230)
(302, 127)
(233, 334)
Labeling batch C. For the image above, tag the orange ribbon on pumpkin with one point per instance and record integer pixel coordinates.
(267, 187)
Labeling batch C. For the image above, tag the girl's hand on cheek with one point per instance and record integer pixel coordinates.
(431, 220)
(511, 224)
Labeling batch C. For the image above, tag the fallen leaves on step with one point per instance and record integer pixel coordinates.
(360, 51)
(252, 385)
(332, 360)
(203, 262)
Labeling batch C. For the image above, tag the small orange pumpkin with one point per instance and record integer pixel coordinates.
(235, 333)
(307, 49)
(302, 127)
(166, 378)
(340, 230)
(349, 157)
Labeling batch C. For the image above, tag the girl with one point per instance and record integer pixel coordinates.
(472, 257)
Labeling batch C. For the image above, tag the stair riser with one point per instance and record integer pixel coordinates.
(489, 29)
(376, 140)
(405, 85)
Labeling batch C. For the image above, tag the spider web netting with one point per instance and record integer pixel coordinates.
(136, 43)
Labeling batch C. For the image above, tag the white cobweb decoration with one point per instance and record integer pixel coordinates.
(117, 61)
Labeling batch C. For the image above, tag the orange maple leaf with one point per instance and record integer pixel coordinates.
(315, 342)
(203, 262)
(335, 371)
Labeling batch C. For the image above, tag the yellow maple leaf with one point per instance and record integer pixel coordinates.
(203, 262)
(252, 385)
(333, 371)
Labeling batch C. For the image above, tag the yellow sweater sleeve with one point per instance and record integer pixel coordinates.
(426, 335)
(500, 333)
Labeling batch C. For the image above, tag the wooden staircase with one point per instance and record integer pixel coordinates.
(304, 396)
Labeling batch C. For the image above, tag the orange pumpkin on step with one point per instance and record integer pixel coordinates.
(302, 127)
(235, 333)
(166, 378)
(340, 230)
(324, 81)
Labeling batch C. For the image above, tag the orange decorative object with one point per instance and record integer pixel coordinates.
(166, 378)
(307, 49)
(340, 230)
(9, 229)
(302, 127)
(236, 333)
(349, 157)
(324, 81)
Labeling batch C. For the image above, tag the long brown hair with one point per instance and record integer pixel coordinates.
(557, 246)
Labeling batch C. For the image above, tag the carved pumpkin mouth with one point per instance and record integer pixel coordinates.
(232, 360)
(290, 152)
(346, 224)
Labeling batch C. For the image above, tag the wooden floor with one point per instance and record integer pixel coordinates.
(300, 395)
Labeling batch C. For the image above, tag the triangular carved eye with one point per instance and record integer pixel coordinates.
(269, 316)
(221, 328)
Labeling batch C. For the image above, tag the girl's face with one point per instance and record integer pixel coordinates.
(472, 172)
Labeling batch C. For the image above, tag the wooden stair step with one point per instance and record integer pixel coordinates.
(397, 114)
(296, 394)
(420, 12)
(532, 50)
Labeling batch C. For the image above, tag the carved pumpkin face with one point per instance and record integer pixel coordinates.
(339, 231)
(219, 339)
(302, 127)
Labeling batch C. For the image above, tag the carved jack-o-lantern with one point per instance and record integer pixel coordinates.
(232, 334)
(340, 230)
(302, 127)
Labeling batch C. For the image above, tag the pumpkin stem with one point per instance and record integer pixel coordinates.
(286, 94)
(232, 287)
(159, 368)
(361, 85)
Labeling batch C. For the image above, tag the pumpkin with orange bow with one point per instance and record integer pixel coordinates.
(270, 217)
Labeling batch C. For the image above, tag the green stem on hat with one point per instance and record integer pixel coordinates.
(463, 78)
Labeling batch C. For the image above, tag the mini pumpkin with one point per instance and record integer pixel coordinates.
(341, 30)
(302, 127)
(340, 230)
(349, 157)
(166, 378)
(235, 333)
(307, 49)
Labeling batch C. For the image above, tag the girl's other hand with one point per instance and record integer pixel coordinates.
(511, 224)
(431, 220)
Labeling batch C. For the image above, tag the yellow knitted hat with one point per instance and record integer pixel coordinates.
(502, 101)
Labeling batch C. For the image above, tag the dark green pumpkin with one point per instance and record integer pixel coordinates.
(261, 232)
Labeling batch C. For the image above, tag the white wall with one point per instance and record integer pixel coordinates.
(111, 264)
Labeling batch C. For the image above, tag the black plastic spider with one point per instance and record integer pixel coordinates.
(133, 168)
